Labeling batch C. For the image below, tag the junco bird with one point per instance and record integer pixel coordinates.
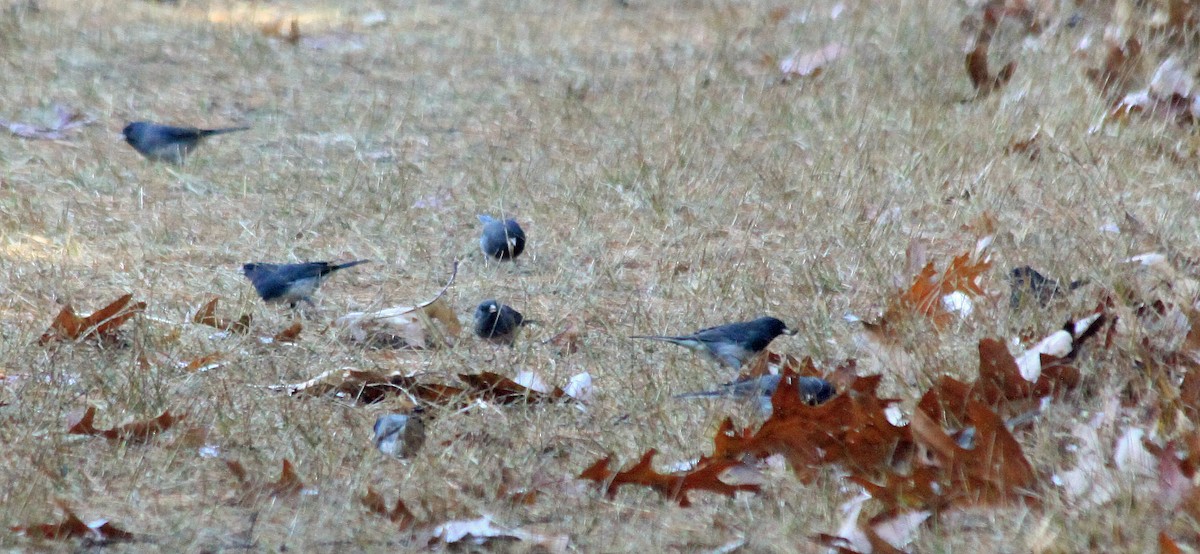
(503, 240)
(165, 143)
(399, 435)
(1026, 280)
(291, 283)
(733, 344)
(498, 323)
(813, 390)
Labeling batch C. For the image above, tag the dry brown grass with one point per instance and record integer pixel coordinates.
(667, 181)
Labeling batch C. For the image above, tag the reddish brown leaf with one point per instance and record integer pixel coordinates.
(924, 296)
(999, 383)
(977, 58)
(400, 514)
(850, 429)
(1166, 545)
(73, 527)
(85, 425)
(203, 362)
(1030, 147)
(291, 334)
(995, 471)
(236, 468)
(928, 432)
(102, 324)
(65, 326)
(510, 493)
(674, 486)
(206, 315)
(498, 388)
(106, 320)
(289, 484)
(138, 431)
(1115, 76)
(921, 489)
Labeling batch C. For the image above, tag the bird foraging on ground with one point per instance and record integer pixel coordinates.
(813, 391)
(503, 240)
(498, 323)
(165, 143)
(291, 283)
(1026, 280)
(730, 345)
(399, 435)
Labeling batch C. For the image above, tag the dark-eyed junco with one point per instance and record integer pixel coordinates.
(503, 240)
(813, 390)
(1026, 280)
(166, 143)
(290, 283)
(497, 322)
(733, 344)
(399, 435)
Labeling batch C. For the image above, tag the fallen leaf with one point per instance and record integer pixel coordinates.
(138, 431)
(206, 363)
(674, 486)
(1114, 78)
(1166, 545)
(206, 315)
(289, 335)
(359, 385)
(977, 58)
(372, 386)
(289, 484)
(502, 390)
(101, 324)
(1030, 147)
(400, 514)
(927, 294)
(428, 325)
(100, 532)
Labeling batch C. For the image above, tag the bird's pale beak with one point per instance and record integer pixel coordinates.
(789, 331)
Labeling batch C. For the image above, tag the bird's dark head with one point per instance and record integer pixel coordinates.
(774, 327)
(487, 308)
(132, 131)
(248, 269)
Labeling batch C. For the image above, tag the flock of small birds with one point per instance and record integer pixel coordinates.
(401, 435)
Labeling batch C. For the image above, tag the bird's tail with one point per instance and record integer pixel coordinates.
(347, 264)
(701, 394)
(683, 341)
(211, 132)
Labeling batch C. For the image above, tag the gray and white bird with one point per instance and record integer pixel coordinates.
(813, 391)
(291, 283)
(730, 345)
(165, 143)
(1026, 280)
(497, 323)
(399, 435)
(503, 240)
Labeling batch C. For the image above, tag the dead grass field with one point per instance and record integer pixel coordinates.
(667, 180)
